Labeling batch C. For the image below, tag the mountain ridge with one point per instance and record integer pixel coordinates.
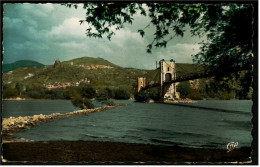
(21, 63)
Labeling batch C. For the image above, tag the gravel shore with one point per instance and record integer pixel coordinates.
(117, 153)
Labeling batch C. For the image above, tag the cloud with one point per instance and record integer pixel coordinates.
(69, 27)
(45, 32)
(125, 36)
(72, 44)
(105, 48)
(186, 49)
(180, 52)
(12, 23)
(39, 10)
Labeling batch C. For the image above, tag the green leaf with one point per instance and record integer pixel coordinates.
(141, 32)
(81, 21)
(150, 46)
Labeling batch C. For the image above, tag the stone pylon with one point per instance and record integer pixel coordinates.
(168, 73)
(141, 83)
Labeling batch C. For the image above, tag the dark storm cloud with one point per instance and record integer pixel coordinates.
(46, 32)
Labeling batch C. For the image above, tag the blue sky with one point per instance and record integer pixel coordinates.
(46, 32)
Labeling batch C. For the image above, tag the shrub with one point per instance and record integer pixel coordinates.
(102, 95)
(225, 96)
(38, 93)
(142, 96)
(184, 88)
(109, 103)
(195, 95)
(88, 92)
(82, 103)
(250, 93)
(11, 92)
(110, 93)
(122, 94)
(59, 94)
(145, 95)
(155, 94)
(48, 96)
(72, 92)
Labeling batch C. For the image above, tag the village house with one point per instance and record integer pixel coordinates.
(65, 84)
(92, 67)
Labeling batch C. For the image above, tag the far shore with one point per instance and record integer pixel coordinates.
(32, 99)
(131, 99)
(28, 99)
(165, 101)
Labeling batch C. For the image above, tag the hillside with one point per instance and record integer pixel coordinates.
(188, 69)
(21, 63)
(98, 72)
(90, 61)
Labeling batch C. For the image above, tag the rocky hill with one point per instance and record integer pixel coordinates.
(95, 71)
(90, 61)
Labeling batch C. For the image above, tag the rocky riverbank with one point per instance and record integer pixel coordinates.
(180, 101)
(16, 99)
(15, 124)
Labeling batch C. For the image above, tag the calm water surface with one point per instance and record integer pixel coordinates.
(46, 107)
(206, 124)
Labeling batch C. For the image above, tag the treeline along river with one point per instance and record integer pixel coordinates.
(206, 124)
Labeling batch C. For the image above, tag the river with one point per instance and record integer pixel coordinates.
(206, 124)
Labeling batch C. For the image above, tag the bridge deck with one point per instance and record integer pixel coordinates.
(204, 75)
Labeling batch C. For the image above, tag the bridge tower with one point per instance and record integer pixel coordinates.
(168, 73)
(141, 83)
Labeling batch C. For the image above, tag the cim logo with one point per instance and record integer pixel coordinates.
(231, 146)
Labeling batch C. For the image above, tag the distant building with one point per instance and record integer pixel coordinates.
(141, 83)
(29, 76)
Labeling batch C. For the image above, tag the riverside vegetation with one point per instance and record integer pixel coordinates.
(115, 83)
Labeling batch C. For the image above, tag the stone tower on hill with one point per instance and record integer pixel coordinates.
(57, 62)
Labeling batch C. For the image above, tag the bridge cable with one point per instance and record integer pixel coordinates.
(175, 69)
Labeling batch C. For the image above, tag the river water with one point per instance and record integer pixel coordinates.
(206, 124)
